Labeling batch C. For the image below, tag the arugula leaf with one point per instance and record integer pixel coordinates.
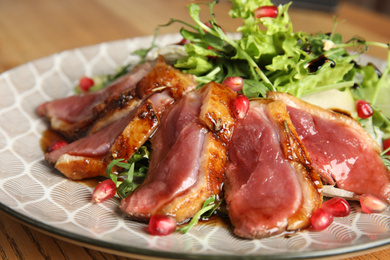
(136, 167)
(208, 208)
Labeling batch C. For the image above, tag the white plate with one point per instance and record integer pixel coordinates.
(35, 193)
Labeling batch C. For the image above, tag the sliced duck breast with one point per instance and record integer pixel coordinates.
(270, 186)
(79, 115)
(74, 115)
(89, 156)
(187, 161)
(341, 150)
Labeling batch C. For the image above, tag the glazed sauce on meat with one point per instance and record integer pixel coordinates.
(48, 137)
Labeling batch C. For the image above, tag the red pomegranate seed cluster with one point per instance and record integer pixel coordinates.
(323, 217)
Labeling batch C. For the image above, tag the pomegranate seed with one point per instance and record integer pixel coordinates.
(234, 83)
(386, 145)
(321, 219)
(364, 109)
(372, 204)
(56, 145)
(160, 225)
(184, 41)
(339, 207)
(240, 106)
(104, 190)
(266, 11)
(86, 83)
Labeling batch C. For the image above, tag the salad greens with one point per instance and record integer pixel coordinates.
(269, 56)
(129, 175)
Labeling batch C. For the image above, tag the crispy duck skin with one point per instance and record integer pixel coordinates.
(73, 116)
(188, 158)
(215, 112)
(270, 186)
(115, 108)
(164, 76)
(341, 150)
(88, 157)
(118, 128)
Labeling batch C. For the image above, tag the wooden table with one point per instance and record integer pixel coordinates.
(30, 29)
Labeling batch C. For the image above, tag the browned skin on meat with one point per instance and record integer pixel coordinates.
(113, 109)
(292, 101)
(164, 76)
(211, 176)
(215, 111)
(134, 135)
(73, 116)
(342, 151)
(298, 157)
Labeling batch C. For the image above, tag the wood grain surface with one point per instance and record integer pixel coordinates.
(31, 29)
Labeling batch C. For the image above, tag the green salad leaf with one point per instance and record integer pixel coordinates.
(129, 175)
(209, 207)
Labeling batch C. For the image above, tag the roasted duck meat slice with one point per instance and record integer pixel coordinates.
(187, 160)
(80, 115)
(73, 116)
(208, 181)
(174, 167)
(182, 181)
(183, 112)
(164, 76)
(89, 156)
(270, 186)
(341, 150)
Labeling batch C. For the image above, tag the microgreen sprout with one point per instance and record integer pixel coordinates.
(209, 207)
(135, 167)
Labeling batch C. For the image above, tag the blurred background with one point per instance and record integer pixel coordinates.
(30, 29)
(380, 6)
